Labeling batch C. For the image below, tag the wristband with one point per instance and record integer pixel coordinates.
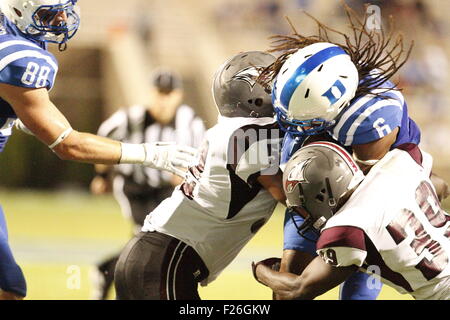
(132, 153)
(61, 137)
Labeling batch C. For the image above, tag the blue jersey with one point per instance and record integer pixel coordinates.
(365, 120)
(24, 62)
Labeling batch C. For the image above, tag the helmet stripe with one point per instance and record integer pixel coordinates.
(304, 69)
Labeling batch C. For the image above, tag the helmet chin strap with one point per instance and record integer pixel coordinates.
(62, 46)
(306, 226)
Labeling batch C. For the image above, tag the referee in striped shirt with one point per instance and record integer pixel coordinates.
(139, 189)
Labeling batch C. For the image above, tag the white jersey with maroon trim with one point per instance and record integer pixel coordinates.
(394, 222)
(220, 206)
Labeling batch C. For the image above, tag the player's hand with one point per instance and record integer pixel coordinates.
(168, 156)
(100, 185)
(20, 126)
(271, 263)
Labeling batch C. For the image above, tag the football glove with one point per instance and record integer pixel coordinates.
(169, 157)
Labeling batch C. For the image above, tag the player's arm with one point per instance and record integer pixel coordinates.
(46, 122)
(274, 184)
(49, 125)
(368, 153)
(317, 278)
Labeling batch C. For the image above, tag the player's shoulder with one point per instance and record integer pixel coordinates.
(252, 130)
(256, 123)
(371, 116)
(24, 63)
(237, 125)
(22, 47)
(240, 133)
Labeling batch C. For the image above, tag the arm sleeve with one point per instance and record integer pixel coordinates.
(370, 118)
(342, 246)
(379, 124)
(28, 69)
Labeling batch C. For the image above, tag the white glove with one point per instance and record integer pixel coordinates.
(168, 156)
(20, 126)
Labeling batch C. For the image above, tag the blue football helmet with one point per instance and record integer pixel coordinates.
(54, 21)
(312, 87)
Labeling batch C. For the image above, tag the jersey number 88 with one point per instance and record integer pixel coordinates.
(36, 75)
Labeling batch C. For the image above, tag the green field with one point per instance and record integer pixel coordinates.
(58, 237)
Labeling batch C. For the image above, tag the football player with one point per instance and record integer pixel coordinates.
(389, 222)
(27, 73)
(341, 91)
(138, 189)
(226, 198)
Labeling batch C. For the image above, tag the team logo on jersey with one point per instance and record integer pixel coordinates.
(248, 75)
(297, 175)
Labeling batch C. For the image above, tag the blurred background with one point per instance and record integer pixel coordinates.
(57, 226)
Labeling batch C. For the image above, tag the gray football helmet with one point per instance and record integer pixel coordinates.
(235, 89)
(316, 180)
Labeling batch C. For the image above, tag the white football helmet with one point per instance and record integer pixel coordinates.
(37, 18)
(312, 87)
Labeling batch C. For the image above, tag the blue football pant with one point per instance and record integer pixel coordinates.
(11, 276)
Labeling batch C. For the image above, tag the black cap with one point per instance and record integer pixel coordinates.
(166, 81)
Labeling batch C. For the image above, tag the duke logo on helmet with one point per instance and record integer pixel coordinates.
(335, 92)
(313, 86)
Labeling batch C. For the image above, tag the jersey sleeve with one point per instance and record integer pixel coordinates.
(370, 118)
(27, 66)
(342, 246)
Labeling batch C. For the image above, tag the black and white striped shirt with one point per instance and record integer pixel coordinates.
(136, 125)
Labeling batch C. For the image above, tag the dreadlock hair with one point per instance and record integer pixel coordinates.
(376, 55)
